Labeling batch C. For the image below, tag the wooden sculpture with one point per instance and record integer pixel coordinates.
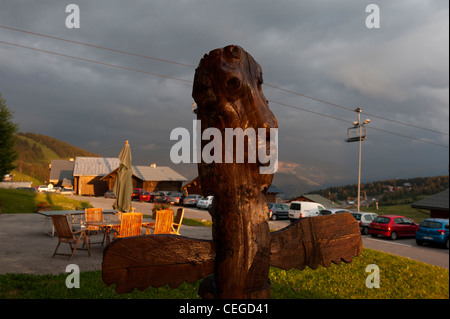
(227, 90)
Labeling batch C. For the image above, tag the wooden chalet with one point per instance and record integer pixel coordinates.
(87, 174)
(61, 172)
(150, 178)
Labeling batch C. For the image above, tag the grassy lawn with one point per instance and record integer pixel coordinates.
(400, 278)
(15, 201)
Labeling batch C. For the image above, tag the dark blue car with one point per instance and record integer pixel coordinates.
(433, 230)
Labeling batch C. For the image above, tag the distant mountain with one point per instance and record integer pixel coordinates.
(36, 151)
(292, 185)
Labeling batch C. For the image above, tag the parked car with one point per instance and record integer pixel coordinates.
(278, 211)
(55, 190)
(110, 194)
(42, 188)
(205, 202)
(174, 198)
(299, 210)
(433, 230)
(331, 211)
(136, 193)
(191, 200)
(162, 196)
(393, 226)
(364, 219)
(147, 197)
(66, 191)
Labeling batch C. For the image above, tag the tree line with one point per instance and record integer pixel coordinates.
(393, 191)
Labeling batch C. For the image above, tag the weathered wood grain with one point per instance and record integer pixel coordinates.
(156, 260)
(227, 90)
(316, 241)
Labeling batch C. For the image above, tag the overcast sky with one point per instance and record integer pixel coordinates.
(322, 49)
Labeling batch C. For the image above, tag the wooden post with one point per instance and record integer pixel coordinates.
(227, 90)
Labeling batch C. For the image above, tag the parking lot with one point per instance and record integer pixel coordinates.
(405, 247)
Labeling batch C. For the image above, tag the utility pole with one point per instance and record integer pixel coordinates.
(358, 126)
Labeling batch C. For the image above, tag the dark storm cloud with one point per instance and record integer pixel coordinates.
(319, 48)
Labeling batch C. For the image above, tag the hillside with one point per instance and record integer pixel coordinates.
(393, 191)
(35, 153)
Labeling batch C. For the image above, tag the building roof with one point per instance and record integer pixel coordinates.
(274, 190)
(437, 201)
(158, 173)
(103, 166)
(95, 166)
(61, 169)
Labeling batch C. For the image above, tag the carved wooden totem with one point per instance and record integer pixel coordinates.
(227, 90)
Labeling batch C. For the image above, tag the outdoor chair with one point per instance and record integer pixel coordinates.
(65, 234)
(177, 221)
(130, 225)
(94, 215)
(163, 223)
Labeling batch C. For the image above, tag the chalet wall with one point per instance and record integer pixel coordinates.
(90, 186)
(155, 186)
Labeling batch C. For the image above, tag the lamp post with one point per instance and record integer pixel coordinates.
(361, 137)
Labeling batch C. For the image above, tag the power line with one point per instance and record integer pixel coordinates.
(352, 109)
(372, 127)
(98, 47)
(193, 66)
(190, 82)
(96, 62)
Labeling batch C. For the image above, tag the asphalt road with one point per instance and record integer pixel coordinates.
(405, 247)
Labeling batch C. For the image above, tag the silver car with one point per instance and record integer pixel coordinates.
(364, 219)
(191, 200)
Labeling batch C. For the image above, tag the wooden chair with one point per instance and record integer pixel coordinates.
(130, 225)
(65, 234)
(177, 221)
(94, 215)
(162, 224)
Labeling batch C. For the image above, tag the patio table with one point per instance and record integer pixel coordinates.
(77, 217)
(107, 225)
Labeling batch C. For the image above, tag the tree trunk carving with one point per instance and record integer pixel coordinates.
(227, 90)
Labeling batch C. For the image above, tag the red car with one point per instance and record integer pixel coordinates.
(393, 226)
(136, 193)
(147, 197)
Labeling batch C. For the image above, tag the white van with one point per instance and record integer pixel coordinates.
(304, 209)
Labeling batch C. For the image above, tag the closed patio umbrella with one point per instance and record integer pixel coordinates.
(123, 188)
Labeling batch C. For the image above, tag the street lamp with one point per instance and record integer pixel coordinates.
(362, 134)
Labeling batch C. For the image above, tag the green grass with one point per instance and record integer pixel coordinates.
(403, 210)
(16, 201)
(24, 177)
(400, 278)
